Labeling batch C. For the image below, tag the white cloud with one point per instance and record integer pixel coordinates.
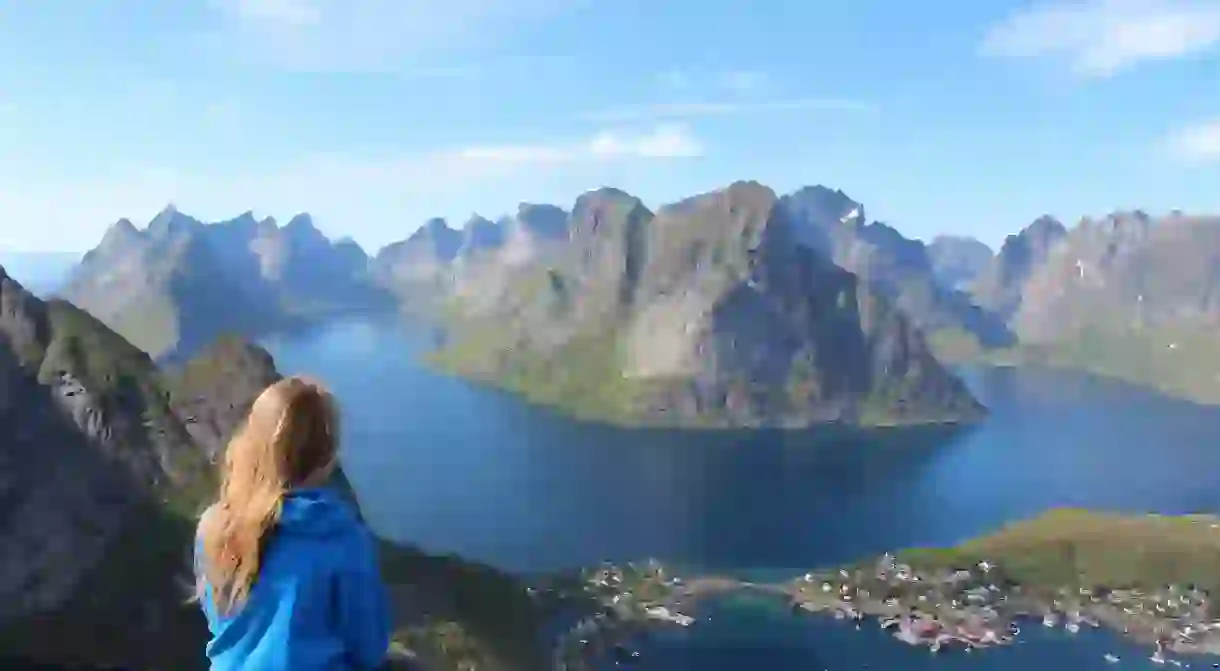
(407, 36)
(1199, 142)
(702, 109)
(664, 141)
(1102, 37)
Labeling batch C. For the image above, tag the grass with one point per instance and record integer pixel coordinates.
(583, 377)
(1078, 548)
(1180, 362)
(470, 611)
(953, 345)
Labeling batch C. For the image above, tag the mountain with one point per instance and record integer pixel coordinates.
(475, 262)
(99, 474)
(418, 269)
(42, 272)
(1128, 295)
(898, 267)
(104, 465)
(715, 311)
(177, 284)
(957, 260)
(1000, 286)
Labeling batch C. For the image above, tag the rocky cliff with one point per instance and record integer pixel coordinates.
(104, 462)
(890, 264)
(715, 311)
(1129, 295)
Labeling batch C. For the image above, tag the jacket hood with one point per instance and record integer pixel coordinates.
(316, 511)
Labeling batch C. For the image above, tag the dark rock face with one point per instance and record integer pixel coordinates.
(104, 463)
(717, 310)
(1124, 272)
(92, 457)
(891, 264)
(213, 392)
(176, 285)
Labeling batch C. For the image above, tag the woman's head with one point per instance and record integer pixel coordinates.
(289, 439)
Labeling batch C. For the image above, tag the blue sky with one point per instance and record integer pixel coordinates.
(962, 117)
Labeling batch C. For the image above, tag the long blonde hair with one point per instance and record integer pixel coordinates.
(289, 439)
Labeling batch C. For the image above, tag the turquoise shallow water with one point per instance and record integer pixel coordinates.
(452, 467)
(759, 633)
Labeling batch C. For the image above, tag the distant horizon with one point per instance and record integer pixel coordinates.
(336, 234)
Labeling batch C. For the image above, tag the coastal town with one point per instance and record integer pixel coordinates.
(979, 606)
(961, 609)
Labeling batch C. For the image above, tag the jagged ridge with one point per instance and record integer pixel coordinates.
(712, 312)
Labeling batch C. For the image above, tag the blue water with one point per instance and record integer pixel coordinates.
(453, 467)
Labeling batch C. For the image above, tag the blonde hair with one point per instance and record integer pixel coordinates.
(289, 439)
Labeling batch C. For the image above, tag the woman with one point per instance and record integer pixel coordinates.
(286, 573)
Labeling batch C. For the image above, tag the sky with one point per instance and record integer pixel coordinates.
(373, 115)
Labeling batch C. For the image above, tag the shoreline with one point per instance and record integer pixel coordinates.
(942, 611)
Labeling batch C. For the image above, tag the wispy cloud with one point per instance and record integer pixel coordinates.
(1198, 142)
(401, 36)
(663, 142)
(704, 109)
(1101, 37)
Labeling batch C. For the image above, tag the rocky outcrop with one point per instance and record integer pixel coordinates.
(715, 311)
(890, 264)
(104, 463)
(95, 463)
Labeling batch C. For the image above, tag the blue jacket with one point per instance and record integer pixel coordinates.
(318, 603)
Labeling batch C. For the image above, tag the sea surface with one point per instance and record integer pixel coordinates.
(454, 467)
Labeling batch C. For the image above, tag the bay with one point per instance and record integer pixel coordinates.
(455, 467)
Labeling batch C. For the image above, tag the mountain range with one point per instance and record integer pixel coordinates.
(713, 311)
(1128, 295)
(737, 307)
(178, 283)
(106, 462)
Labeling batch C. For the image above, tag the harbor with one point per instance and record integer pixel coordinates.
(960, 610)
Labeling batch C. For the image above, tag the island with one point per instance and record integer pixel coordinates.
(1154, 579)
